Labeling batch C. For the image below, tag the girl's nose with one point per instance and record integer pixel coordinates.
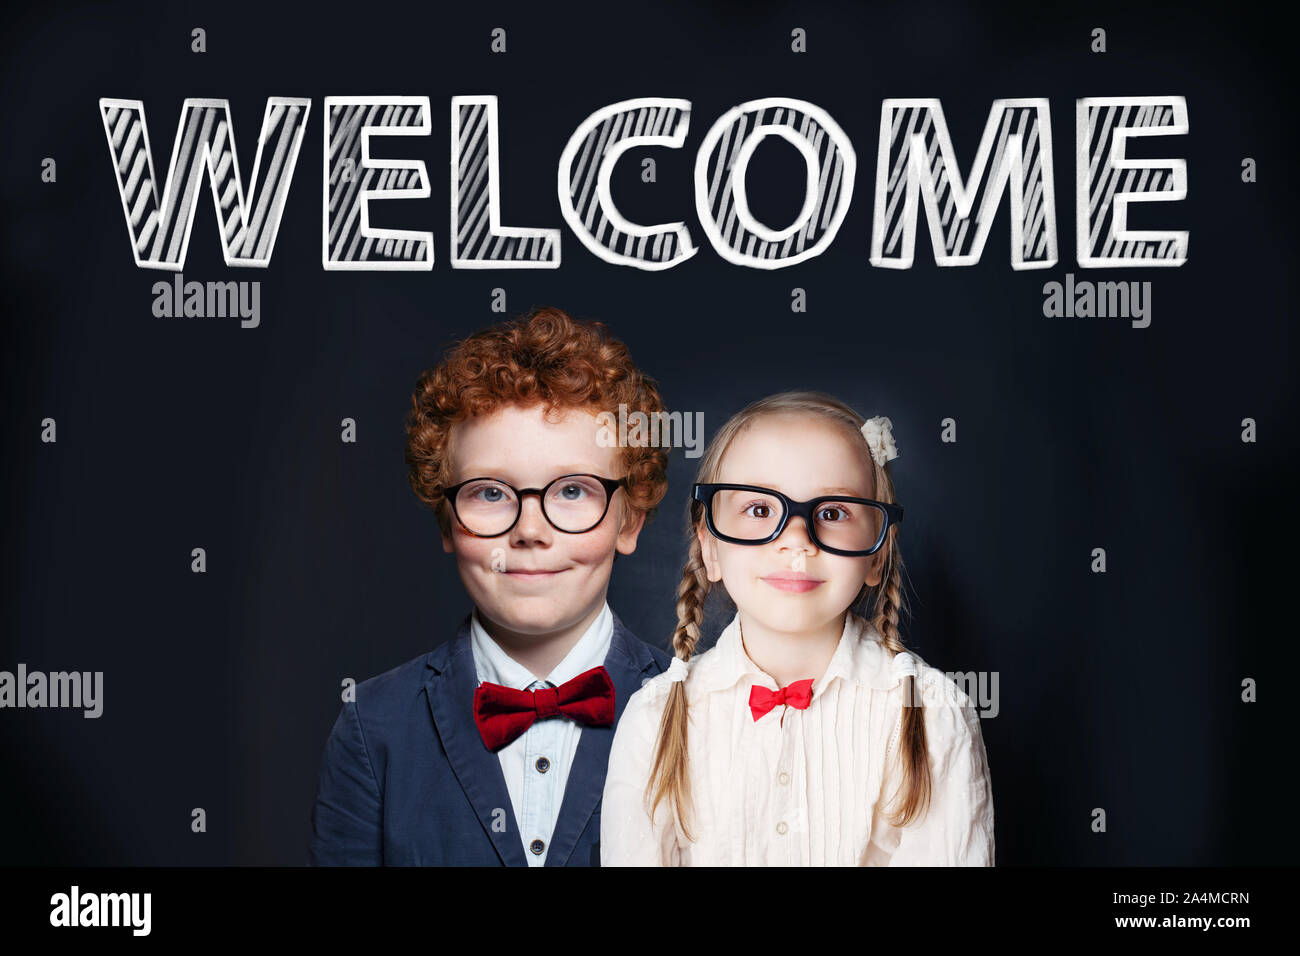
(795, 535)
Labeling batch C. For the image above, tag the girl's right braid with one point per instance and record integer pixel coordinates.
(669, 777)
(889, 603)
(912, 745)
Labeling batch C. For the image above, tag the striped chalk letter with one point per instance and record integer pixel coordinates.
(352, 179)
(583, 182)
(916, 154)
(720, 198)
(478, 240)
(1106, 182)
(159, 227)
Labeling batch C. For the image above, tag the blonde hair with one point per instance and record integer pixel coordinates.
(669, 777)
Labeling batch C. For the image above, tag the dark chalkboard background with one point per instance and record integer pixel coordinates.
(1119, 690)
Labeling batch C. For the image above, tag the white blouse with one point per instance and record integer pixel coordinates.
(810, 790)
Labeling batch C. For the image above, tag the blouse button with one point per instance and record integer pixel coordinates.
(781, 828)
(543, 765)
(783, 778)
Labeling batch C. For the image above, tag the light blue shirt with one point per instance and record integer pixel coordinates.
(536, 764)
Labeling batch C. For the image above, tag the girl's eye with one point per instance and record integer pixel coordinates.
(757, 509)
(832, 513)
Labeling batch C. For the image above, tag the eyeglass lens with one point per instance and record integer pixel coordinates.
(489, 507)
(753, 516)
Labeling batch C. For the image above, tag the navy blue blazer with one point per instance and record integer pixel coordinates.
(405, 779)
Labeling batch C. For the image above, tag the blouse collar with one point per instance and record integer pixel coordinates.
(860, 657)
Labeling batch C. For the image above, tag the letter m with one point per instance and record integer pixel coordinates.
(916, 156)
(159, 226)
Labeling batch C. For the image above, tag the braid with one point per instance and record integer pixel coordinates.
(912, 745)
(890, 601)
(669, 776)
(690, 602)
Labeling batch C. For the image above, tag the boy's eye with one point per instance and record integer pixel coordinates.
(482, 493)
(576, 491)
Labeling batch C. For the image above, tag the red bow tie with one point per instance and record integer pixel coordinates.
(502, 713)
(797, 695)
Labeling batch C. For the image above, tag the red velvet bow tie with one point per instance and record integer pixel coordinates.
(797, 695)
(502, 713)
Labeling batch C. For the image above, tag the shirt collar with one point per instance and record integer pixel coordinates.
(860, 657)
(493, 664)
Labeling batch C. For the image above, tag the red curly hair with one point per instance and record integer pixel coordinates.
(547, 358)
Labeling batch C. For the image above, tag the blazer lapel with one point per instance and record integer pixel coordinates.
(629, 663)
(450, 689)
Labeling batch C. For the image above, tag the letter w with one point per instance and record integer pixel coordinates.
(159, 227)
(916, 154)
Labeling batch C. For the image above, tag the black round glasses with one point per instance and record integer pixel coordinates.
(573, 504)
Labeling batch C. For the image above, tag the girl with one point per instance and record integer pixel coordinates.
(807, 735)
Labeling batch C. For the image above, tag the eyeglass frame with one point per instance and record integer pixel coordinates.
(705, 491)
(611, 485)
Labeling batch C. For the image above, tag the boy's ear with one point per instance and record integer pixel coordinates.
(709, 553)
(630, 530)
(446, 538)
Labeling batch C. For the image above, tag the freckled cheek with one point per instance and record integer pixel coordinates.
(592, 548)
(472, 552)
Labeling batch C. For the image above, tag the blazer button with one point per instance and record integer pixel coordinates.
(538, 847)
(543, 765)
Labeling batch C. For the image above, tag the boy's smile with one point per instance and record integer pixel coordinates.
(524, 575)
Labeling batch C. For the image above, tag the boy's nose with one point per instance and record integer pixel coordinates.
(532, 524)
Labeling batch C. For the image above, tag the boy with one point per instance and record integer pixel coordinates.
(492, 748)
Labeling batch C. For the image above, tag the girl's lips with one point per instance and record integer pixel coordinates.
(793, 583)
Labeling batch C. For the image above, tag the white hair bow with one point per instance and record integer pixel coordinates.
(677, 670)
(904, 665)
(879, 434)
